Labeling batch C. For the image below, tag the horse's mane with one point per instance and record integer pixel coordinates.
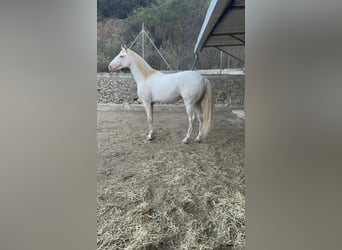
(145, 69)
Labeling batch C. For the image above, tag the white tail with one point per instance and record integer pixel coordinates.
(208, 107)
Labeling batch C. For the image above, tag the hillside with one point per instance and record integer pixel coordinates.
(172, 24)
(108, 40)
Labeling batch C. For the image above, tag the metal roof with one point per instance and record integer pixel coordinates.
(223, 27)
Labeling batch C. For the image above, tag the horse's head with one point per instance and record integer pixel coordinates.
(120, 61)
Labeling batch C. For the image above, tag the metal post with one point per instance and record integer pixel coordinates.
(221, 59)
(195, 62)
(228, 62)
(136, 38)
(143, 33)
(143, 41)
(149, 38)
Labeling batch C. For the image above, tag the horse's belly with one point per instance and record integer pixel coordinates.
(165, 94)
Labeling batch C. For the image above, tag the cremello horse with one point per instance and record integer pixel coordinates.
(154, 86)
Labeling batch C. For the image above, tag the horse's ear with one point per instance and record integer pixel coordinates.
(125, 47)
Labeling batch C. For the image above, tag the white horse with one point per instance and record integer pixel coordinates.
(154, 86)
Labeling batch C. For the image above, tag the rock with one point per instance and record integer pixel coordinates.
(124, 90)
(222, 96)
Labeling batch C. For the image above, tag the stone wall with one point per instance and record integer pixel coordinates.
(120, 88)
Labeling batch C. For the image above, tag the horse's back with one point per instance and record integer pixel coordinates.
(187, 76)
(191, 85)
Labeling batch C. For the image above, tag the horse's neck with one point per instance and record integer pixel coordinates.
(136, 72)
(141, 71)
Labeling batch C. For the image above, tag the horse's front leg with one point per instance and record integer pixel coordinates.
(149, 112)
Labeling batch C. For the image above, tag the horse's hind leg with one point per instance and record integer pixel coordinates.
(199, 112)
(149, 112)
(191, 116)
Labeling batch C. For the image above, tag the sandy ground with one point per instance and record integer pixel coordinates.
(164, 194)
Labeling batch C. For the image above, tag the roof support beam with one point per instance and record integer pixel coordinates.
(236, 58)
(223, 28)
(217, 45)
(238, 38)
(220, 19)
(229, 34)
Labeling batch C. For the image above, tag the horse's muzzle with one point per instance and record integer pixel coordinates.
(113, 67)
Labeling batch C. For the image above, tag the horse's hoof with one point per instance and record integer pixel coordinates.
(149, 138)
(185, 141)
(198, 140)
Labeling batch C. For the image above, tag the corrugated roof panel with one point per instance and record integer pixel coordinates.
(214, 12)
(223, 26)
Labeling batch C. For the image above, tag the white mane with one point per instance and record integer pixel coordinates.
(145, 69)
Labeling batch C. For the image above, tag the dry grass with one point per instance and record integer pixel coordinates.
(164, 195)
(173, 218)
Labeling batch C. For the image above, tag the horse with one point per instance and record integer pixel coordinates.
(156, 87)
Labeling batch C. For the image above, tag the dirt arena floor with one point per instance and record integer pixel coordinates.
(164, 194)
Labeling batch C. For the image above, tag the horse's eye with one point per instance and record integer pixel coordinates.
(121, 56)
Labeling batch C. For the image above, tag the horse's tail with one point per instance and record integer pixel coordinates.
(208, 108)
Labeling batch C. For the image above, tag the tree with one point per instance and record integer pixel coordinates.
(173, 25)
(119, 8)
